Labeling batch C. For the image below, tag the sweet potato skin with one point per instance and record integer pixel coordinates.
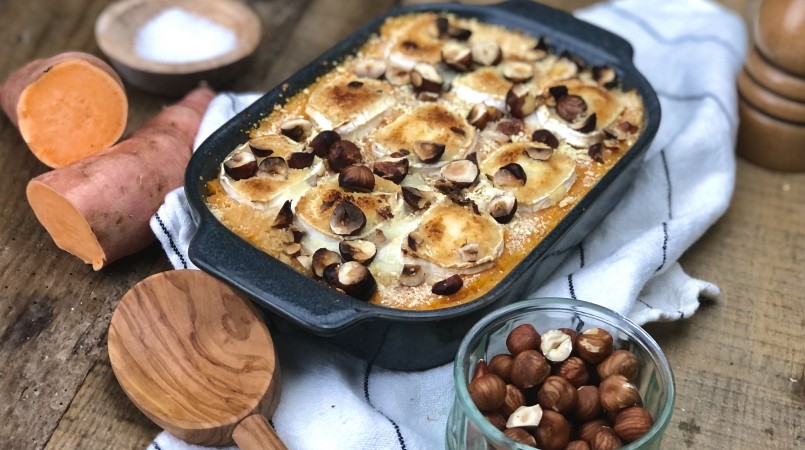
(118, 190)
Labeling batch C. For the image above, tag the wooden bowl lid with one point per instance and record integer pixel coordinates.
(773, 78)
(769, 102)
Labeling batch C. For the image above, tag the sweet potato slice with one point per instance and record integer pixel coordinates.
(98, 208)
(67, 107)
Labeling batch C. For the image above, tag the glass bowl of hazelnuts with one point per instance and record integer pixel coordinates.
(558, 374)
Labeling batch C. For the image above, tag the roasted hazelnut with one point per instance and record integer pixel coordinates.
(486, 53)
(427, 96)
(587, 126)
(343, 154)
(632, 423)
(496, 419)
(529, 368)
(300, 160)
(478, 116)
(556, 346)
(273, 167)
(521, 436)
(502, 207)
(416, 198)
(414, 240)
(356, 280)
(460, 173)
(261, 146)
(411, 275)
(620, 362)
(588, 404)
(605, 439)
(457, 56)
(469, 252)
(517, 71)
(557, 394)
(545, 137)
(520, 101)
(538, 153)
(501, 365)
(558, 91)
(587, 430)
(330, 274)
(570, 107)
(323, 258)
(358, 250)
(514, 399)
(570, 332)
(296, 129)
(596, 152)
(448, 286)
(397, 76)
(323, 141)
(525, 417)
(284, 216)
(428, 151)
(523, 337)
(393, 170)
(481, 369)
(594, 345)
(553, 431)
(510, 127)
(577, 445)
(605, 76)
(241, 165)
(293, 249)
(357, 178)
(510, 175)
(488, 392)
(574, 370)
(458, 33)
(618, 393)
(347, 219)
(425, 77)
(370, 68)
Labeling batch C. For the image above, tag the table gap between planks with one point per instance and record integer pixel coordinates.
(739, 363)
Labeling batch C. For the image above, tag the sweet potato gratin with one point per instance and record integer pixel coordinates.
(419, 172)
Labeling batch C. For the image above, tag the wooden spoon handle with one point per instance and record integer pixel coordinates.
(254, 433)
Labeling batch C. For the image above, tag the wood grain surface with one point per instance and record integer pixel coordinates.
(739, 363)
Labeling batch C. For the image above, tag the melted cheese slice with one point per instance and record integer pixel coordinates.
(485, 85)
(429, 122)
(446, 228)
(547, 182)
(418, 41)
(349, 105)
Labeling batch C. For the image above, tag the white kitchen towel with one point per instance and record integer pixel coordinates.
(690, 51)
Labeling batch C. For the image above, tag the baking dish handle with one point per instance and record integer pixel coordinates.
(585, 31)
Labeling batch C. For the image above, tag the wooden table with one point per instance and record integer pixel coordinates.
(739, 362)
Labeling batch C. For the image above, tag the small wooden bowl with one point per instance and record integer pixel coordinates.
(116, 30)
(773, 78)
(770, 142)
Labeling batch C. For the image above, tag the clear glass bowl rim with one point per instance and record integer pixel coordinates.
(558, 304)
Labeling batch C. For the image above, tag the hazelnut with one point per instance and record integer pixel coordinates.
(358, 250)
(618, 393)
(448, 286)
(397, 76)
(241, 165)
(300, 160)
(557, 394)
(517, 71)
(620, 362)
(481, 369)
(574, 370)
(461, 173)
(510, 127)
(496, 419)
(587, 430)
(502, 207)
(523, 337)
(343, 154)
(392, 170)
(427, 96)
(296, 129)
(357, 178)
(428, 151)
(556, 345)
(284, 216)
(520, 435)
(457, 56)
(553, 431)
(273, 167)
(605, 439)
(588, 404)
(416, 198)
(411, 275)
(261, 146)
(486, 53)
(514, 399)
(478, 116)
(347, 219)
(501, 365)
(596, 152)
(356, 280)
(529, 368)
(605, 76)
(323, 141)
(538, 153)
(594, 345)
(425, 77)
(370, 68)
(520, 101)
(487, 392)
(570, 107)
(577, 445)
(525, 417)
(510, 175)
(469, 252)
(587, 126)
(293, 249)
(570, 332)
(322, 258)
(632, 422)
(545, 137)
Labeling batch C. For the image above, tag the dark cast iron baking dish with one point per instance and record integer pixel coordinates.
(393, 338)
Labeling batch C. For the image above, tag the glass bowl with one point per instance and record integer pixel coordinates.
(466, 426)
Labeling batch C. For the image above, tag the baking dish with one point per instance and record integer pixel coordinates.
(392, 338)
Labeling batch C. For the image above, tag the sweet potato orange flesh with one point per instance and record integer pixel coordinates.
(66, 107)
(98, 208)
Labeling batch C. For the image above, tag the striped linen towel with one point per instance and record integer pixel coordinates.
(691, 51)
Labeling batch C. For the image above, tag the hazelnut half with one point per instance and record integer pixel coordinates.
(428, 151)
(241, 165)
(370, 68)
(347, 219)
(457, 56)
(538, 153)
(323, 141)
(545, 137)
(358, 250)
(469, 252)
(260, 146)
(416, 198)
(502, 207)
(393, 170)
(322, 258)
(273, 167)
(448, 286)
(478, 116)
(510, 175)
(588, 125)
(300, 160)
(425, 77)
(296, 129)
(411, 275)
(556, 345)
(518, 71)
(525, 416)
(553, 432)
(488, 392)
(486, 53)
(284, 216)
(357, 178)
(460, 173)
(356, 280)
(570, 107)
(342, 154)
(520, 102)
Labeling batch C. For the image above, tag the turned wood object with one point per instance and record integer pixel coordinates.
(194, 357)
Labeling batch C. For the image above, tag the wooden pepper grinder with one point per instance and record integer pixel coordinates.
(772, 89)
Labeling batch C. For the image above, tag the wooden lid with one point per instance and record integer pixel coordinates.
(774, 78)
(769, 142)
(768, 101)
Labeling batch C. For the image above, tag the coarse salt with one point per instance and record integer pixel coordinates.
(178, 36)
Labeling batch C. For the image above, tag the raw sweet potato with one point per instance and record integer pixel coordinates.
(66, 107)
(98, 208)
